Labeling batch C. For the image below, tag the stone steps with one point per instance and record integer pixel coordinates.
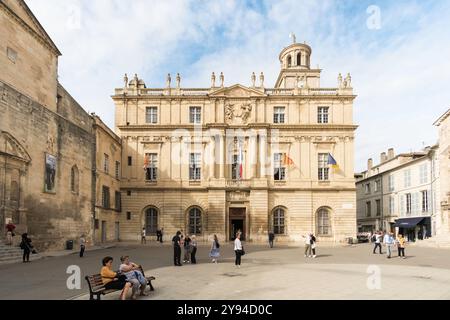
(13, 254)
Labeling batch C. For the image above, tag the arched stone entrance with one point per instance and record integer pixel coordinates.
(14, 161)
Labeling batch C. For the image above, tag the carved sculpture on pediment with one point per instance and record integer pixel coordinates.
(242, 111)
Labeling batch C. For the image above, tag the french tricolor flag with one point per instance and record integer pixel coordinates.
(241, 161)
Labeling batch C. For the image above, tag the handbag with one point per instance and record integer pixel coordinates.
(242, 251)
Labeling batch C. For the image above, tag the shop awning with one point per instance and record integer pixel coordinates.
(408, 222)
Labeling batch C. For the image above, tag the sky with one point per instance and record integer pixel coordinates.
(398, 53)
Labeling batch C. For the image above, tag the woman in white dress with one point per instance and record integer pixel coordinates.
(215, 250)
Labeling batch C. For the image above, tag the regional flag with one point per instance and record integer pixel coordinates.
(332, 162)
(146, 162)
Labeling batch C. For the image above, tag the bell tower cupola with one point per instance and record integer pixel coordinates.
(295, 63)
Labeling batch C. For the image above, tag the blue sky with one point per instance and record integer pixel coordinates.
(399, 64)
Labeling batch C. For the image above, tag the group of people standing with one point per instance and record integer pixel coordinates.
(390, 242)
(310, 245)
(189, 243)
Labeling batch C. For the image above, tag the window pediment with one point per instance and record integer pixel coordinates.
(11, 147)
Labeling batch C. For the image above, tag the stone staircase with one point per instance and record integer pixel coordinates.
(13, 254)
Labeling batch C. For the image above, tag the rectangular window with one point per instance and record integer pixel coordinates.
(128, 215)
(391, 182)
(151, 172)
(235, 170)
(378, 204)
(424, 173)
(151, 115)
(12, 54)
(128, 192)
(118, 201)
(117, 170)
(195, 115)
(323, 167)
(377, 185)
(96, 224)
(105, 197)
(278, 114)
(425, 201)
(279, 169)
(195, 166)
(367, 186)
(368, 209)
(106, 164)
(407, 178)
(130, 161)
(408, 203)
(322, 114)
(391, 205)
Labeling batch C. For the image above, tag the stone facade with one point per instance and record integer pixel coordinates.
(47, 140)
(443, 124)
(218, 159)
(399, 187)
(108, 172)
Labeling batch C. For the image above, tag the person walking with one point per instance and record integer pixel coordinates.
(193, 249)
(271, 238)
(377, 242)
(26, 246)
(176, 240)
(143, 236)
(10, 227)
(389, 242)
(307, 246)
(215, 250)
(401, 241)
(187, 249)
(161, 233)
(238, 250)
(313, 244)
(82, 245)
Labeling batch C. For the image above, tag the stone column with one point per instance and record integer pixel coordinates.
(262, 154)
(222, 157)
(22, 192)
(212, 160)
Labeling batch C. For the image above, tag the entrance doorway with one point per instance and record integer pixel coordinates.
(237, 223)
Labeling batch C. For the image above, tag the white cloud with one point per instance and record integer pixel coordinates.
(400, 72)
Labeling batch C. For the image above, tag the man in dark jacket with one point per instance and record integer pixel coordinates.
(271, 238)
(176, 240)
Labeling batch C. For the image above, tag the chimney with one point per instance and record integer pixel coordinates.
(383, 157)
(369, 164)
(391, 154)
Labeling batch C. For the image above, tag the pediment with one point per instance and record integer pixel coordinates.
(237, 90)
(11, 147)
(23, 12)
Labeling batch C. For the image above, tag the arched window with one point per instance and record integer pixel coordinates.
(151, 220)
(14, 193)
(323, 222)
(299, 59)
(278, 221)
(74, 176)
(289, 61)
(195, 221)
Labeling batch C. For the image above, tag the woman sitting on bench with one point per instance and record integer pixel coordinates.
(111, 280)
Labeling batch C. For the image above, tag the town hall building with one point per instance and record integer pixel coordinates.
(220, 159)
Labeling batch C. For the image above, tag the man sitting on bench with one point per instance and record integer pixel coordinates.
(134, 276)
